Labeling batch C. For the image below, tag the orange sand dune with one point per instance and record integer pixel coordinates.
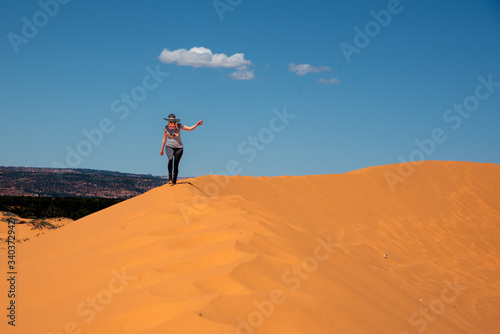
(344, 253)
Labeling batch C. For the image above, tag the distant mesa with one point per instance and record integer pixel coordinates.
(30, 181)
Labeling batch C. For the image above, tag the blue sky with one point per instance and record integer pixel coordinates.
(358, 92)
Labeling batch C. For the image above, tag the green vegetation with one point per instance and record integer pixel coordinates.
(53, 207)
(41, 224)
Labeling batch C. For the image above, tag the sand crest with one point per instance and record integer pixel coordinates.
(307, 254)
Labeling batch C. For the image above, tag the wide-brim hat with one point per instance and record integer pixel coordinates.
(171, 118)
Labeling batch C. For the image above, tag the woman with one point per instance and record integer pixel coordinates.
(174, 148)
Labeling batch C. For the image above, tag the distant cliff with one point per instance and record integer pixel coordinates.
(28, 181)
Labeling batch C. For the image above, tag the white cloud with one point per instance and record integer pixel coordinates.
(303, 69)
(203, 57)
(242, 75)
(332, 81)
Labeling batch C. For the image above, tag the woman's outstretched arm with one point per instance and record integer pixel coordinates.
(191, 128)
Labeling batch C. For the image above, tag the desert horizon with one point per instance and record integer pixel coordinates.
(346, 253)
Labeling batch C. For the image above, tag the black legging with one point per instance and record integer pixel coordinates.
(171, 153)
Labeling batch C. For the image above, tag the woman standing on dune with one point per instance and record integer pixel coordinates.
(174, 148)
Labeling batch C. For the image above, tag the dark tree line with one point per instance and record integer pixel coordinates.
(54, 207)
